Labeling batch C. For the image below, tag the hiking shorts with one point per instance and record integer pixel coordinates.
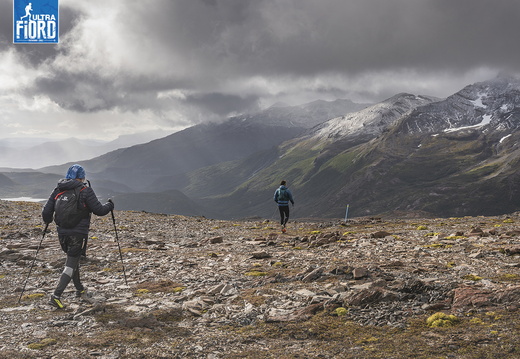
(74, 246)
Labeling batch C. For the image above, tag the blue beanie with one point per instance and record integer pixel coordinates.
(75, 171)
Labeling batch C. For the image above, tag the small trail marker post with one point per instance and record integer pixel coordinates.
(346, 213)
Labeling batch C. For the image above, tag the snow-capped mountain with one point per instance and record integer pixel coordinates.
(373, 120)
(303, 116)
(488, 106)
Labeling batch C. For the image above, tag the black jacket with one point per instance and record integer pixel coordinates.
(87, 197)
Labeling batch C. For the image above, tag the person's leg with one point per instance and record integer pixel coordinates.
(76, 279)
(286, 215)
(282, 214)
(73, 245)
(71, 265)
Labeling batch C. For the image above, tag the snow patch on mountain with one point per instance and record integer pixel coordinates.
(486, 120)
(504, 138)
(478, 101)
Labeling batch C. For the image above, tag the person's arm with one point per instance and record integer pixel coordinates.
(276, 195)
(94, 205)
(48, 209)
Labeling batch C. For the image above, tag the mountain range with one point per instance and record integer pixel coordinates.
(23, 153)
(408, 154)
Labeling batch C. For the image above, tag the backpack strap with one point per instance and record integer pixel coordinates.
(59, 194)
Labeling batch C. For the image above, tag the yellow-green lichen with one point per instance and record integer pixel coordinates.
(441, 319)
(33, 296)
(476, 321)
(255, 273)
(42, 344)
(472, 277)
(341, 311)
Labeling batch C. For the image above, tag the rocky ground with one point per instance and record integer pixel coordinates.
(202, 288)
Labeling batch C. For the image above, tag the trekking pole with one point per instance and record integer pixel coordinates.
(34, 260)
(118, 246)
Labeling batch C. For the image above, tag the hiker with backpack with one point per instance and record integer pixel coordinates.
(283, 196)
(70, 205)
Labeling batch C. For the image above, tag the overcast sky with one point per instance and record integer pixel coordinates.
(128, 66)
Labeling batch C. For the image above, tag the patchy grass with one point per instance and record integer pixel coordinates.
(472, 277)
(508, 277)
(42, 344)
(481, 337)
(255, 273)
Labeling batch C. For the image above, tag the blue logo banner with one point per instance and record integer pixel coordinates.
(35, 21)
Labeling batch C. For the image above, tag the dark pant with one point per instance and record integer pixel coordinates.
(284, 214)
(74, 246)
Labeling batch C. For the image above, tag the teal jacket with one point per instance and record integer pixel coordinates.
(284, 199)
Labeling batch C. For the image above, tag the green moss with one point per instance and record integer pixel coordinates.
(441, 319)
(255, 273)
(341, 311)
(33, 296)
(476, 321)
(432, 234)
(422, 228)
(472, 277)
(42, 344)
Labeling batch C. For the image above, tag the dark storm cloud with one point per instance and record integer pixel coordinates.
(227, 56)
(309, 37)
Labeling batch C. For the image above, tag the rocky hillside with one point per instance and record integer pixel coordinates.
(202, 288)
(453, 157)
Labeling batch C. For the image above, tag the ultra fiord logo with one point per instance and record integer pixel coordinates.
(35, 21)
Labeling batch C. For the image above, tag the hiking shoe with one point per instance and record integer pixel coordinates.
(56, 302)
(83, 294)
